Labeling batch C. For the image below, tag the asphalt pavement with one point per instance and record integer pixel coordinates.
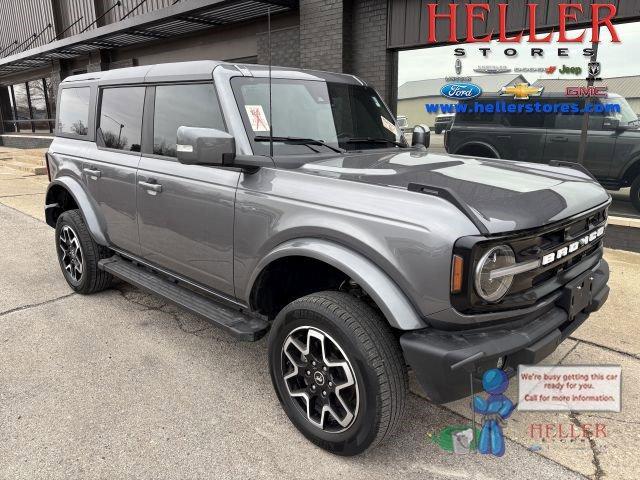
(122, 385)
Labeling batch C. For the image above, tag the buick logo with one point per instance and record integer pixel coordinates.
(461, 91)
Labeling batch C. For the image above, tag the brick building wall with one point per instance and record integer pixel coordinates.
(285, 47)
(349, 36)
(321, 34)
(370, 58)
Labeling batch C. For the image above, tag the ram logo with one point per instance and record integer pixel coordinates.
(572, 247)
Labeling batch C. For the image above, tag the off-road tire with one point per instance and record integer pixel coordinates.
(371, 349)
(92, 279)
(635, 193)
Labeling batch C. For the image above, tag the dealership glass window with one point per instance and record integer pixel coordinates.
(39, 107)
(31, 107)
(21, 103)
(120, 124)
(74, 111)
(183, 105)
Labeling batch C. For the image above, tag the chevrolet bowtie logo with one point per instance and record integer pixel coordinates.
(521, 91)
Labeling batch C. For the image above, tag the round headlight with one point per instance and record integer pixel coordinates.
(493, 289)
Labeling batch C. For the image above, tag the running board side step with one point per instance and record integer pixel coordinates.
(240, 325)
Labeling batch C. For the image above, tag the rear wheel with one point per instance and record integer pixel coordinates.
(635, 193)
(78, 254)
(338, 371)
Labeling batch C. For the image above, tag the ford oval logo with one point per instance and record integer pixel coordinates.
(461, 91)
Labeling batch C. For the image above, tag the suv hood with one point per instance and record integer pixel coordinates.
(506, 195)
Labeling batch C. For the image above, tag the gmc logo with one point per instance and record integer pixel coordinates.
(586, 92)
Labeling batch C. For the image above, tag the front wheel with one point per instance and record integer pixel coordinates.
(338, 371)
(635, 193)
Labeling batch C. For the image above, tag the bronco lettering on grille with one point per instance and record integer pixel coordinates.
(572, 247)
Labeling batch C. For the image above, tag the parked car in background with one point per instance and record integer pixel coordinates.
(443, 122)
(613, 149)
(359, 254)
(403, 123)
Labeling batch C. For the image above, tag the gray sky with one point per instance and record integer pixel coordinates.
(617, 59)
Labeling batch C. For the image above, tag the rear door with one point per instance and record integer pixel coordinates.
(185, 212)
(520, 136)
(563, 141)
(110, 167)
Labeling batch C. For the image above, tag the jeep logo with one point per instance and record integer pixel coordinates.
(573, 247)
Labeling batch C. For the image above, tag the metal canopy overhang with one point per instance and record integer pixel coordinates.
(180, 19)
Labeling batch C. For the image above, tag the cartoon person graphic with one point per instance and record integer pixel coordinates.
(494, 410)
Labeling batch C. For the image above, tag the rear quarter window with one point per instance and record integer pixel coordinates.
(73, 116)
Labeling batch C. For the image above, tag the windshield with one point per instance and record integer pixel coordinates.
(342, 116)
(626, 116)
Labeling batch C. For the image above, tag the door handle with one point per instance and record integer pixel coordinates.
(559, 139)
(94, 174)
(151, 188)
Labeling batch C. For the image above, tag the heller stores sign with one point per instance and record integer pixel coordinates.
(602, 15)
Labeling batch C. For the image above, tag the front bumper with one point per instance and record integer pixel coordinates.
(442, 360)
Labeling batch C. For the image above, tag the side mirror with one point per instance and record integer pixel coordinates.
(611, 123)
(421, 136)
(205, 146)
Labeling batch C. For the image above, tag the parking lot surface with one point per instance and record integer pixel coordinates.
(120, 384)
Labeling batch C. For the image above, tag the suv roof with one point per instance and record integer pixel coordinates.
(202, 70)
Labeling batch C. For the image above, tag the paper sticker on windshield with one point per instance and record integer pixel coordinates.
(388, 125)
(257, 118)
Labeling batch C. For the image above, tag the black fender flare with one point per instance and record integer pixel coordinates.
(476, 143)
(633, 164)
(393, 303)
(88, 207)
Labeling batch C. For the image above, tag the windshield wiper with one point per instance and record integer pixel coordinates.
(298, 141)
(374, 140)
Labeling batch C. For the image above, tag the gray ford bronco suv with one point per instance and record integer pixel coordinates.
(362, 255)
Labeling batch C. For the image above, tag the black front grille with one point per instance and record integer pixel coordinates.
(528, 246)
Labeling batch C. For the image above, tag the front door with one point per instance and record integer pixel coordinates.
(563, 142)
(186, 212)
(110, 167)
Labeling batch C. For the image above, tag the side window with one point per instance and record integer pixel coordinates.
(476, 115)
(523, 120)
(570, 120)
(183, 105)
(121, 118)
(73, 118)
